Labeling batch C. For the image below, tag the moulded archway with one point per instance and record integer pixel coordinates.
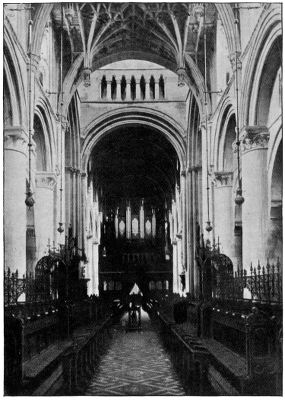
(133, 116)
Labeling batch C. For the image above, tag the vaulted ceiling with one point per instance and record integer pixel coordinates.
(167, 30)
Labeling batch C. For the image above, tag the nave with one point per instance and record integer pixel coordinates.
(135, 364)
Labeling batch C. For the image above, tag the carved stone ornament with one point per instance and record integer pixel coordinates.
(15, 139)
(46, 180)
(223, 178)
(254, 139)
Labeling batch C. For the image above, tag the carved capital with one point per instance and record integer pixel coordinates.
(46, 180)
(223, 178)
(15, 139)
(72, 170)
(254, 138)
(194, 168)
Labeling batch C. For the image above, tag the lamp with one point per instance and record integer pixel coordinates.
(208, 226)
(60, 228)
(239, 199)
(29, 199)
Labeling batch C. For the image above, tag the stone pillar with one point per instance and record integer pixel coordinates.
(128, 90)
(44, 209)
(84, 210)
(183, 217)
(254, 145)
(119, 94)
(224, 207)
(147, 90)
(175, 267)
(197, 209)
(189, 239)
(138, 89)
(179, 263)
(15, 177)
(156, 90)
(142, 220)
(89, 267)
(109, 93)
(95, 268)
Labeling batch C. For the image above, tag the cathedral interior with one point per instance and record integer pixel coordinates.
(143, 163)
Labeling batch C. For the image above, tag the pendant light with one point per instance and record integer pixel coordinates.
(60, 228)
(239, 199)
(208, 224)
(29, 199)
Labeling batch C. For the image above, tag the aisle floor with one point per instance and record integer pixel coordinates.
(136, 364)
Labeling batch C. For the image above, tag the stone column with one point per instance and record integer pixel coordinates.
(183, 218)
(147, 90)
(89, 274)
(197, 209)
(44, 209)
(128, 90)
(95, 268)
(138, 89)
(109, 93)
(175, 267)
(84, 210)
(15, 209)
(119, 94)
(156, 90)
(189, 240)
(254, 145)
(224, 207)
(179, 263)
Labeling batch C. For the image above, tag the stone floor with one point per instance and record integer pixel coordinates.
(136, 364)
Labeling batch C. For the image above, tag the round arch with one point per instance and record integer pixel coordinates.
(130, 117)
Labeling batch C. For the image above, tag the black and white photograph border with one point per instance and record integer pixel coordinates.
(142, 189)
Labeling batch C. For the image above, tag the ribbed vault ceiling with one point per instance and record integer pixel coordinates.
(102, 29)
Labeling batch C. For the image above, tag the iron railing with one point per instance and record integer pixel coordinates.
(262, 283)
